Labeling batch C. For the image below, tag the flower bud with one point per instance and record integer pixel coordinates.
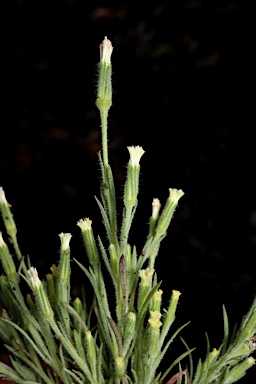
(89, 241)
(119, 367)
(156, 300)
(64, 266)
(169, 316)
(154, 332)
(7, 215)
(239, 370)
(7, 261)
(131, 187)
(167, 213)
(40, 293)
(129, 331)
(213, 356)
(145, 285)
(104, 96)
(106, 50)
(77, 303)
(156, 205)
(91, 352)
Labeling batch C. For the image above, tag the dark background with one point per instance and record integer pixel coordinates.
(183, 91)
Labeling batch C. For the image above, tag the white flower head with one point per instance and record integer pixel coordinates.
(85, 224)
(156, 205)
(2, 243)
(65, 239)
(135, 154)
(33, 275)
(146, 276)
(175, 195)
(106, 50)
(2, 197)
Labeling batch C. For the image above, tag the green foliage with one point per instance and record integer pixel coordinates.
(53, 340)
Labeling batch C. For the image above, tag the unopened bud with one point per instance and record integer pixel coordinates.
(167, 213)
(7, 261)
(131, 187)
(89, 241)
(7, 215)
(40, 293)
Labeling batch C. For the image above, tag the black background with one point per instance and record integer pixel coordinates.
(183, 91)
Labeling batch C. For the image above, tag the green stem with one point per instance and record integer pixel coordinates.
(126, 225)
(19, 254)
(104, 129)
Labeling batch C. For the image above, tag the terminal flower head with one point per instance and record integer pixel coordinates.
(176, 294)
(146, 276)
(65, 239)
(33, 275)
(2, 243)
(85, 224)
(2, 197)
(175, 195)
(135, 154)
(156, 205)
(106, 50)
